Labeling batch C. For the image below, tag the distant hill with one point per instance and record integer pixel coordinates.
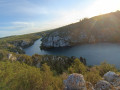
(102, 28)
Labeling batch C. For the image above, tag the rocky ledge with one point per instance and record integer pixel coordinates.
(22, 43)
(111, 81)
(19, 45)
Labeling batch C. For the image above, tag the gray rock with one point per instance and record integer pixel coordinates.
(25, 43)
(110, 76)
(75, 82)
(116, 82)
(103, 85)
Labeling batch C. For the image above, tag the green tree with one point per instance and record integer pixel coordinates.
(92, 76)
(17, 76)
(77, 67)
(1, 56)
(49, 81)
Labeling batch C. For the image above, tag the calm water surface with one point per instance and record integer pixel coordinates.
(94, 53)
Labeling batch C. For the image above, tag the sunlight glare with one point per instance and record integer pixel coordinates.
(102, 7)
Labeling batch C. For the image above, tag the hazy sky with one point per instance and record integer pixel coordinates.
(26, 16)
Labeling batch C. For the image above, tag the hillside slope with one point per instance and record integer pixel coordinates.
(18, 42)
(102, 28)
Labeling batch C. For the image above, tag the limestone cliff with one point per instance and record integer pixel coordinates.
(103, 28)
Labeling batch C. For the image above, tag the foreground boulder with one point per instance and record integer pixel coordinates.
(103, 85)
(111, 76)
(75, 82)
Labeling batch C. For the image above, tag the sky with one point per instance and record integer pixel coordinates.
(27, 16)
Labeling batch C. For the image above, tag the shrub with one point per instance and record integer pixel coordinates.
(105, 67)
(77, 67)
(1, 56)
(17, 76)
(92, 76)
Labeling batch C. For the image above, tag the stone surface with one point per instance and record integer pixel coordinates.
(110, 76)
(55, 41)
(116, 82)
(103, 85)
(75, 82)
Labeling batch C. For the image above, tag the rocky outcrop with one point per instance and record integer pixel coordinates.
(22, 43)
(103, 85)
(75, 82)
(62, 39)
(19, 45)
(111, 81)
(111, 76)
(55, 40)
(97, 29)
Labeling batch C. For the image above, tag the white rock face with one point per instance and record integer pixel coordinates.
(56, 41)
(66, 38)
(110, 76)
(103, 85)
(75, 82)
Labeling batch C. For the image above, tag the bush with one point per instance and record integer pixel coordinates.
(77, 67)
(1, 56)
(17, 76)
(105, 67)
(92, 76)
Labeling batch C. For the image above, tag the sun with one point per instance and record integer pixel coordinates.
(102, 7)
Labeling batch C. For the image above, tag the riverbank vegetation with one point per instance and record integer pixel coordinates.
(45, 72)
(17, 43)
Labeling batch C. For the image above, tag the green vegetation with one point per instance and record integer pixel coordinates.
(105, 67)
(58, 64)
(17, 76)
(16, 43)
(46, 72)
(77, 67)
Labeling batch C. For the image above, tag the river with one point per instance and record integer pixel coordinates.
(94, 53)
